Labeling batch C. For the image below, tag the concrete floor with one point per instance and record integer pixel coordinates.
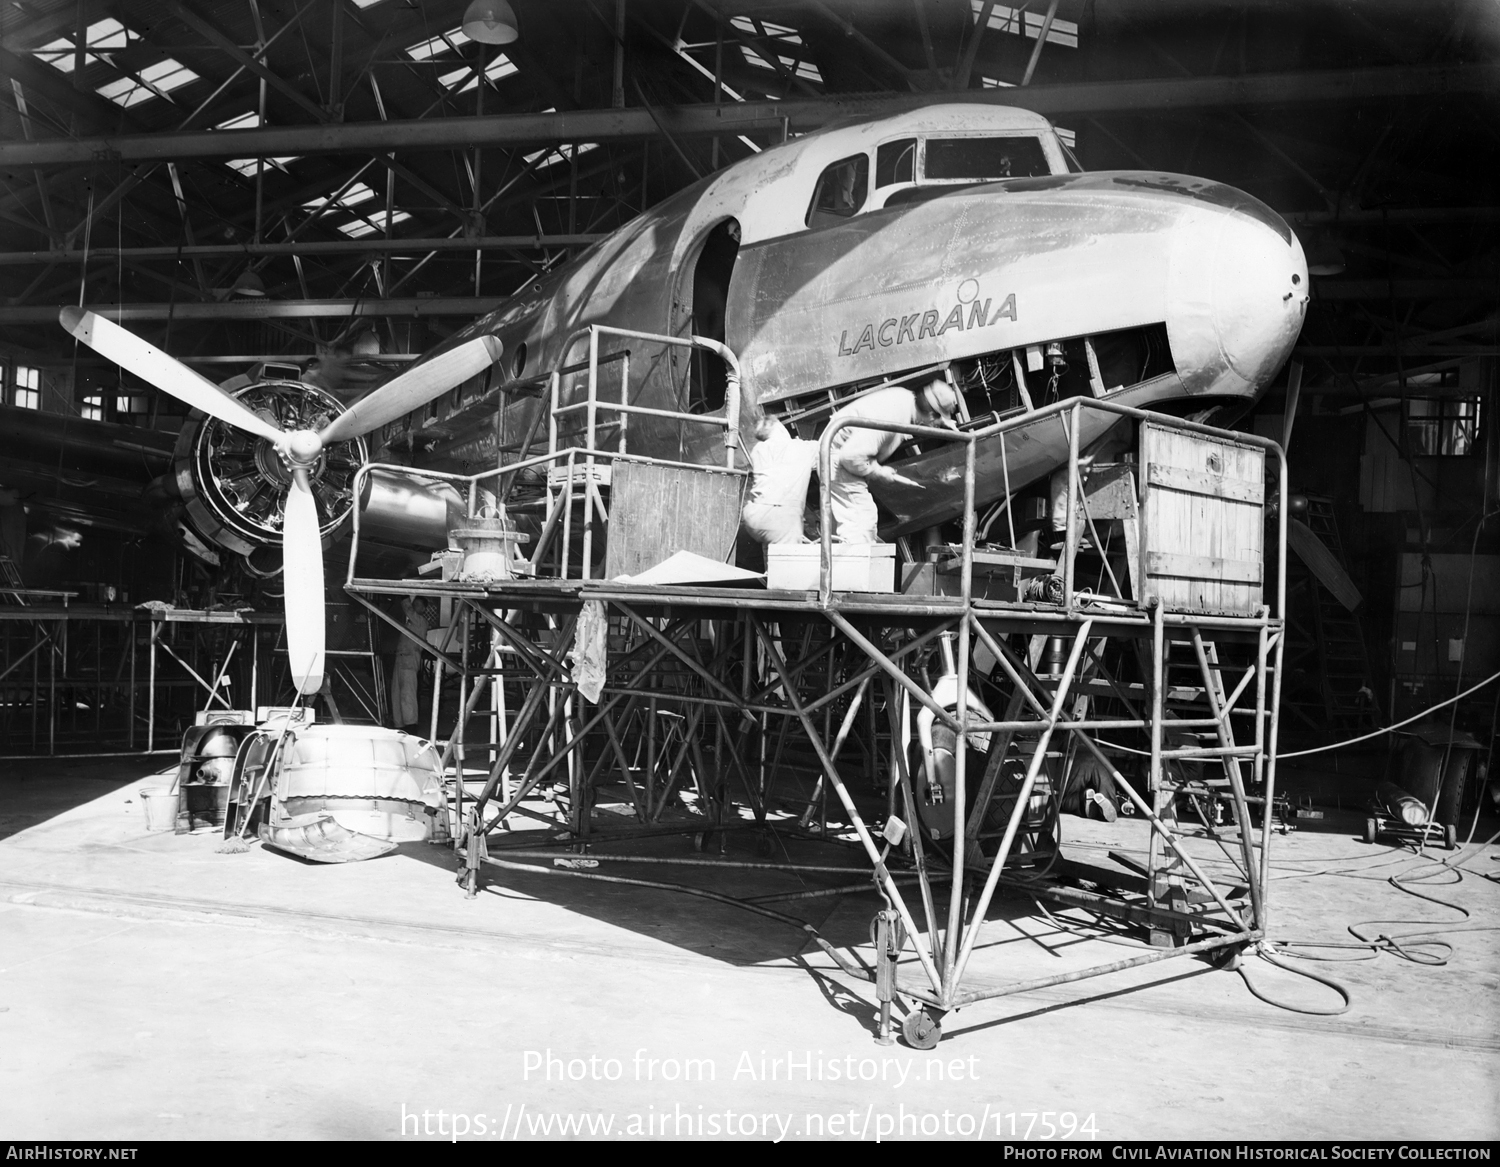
(152, 988)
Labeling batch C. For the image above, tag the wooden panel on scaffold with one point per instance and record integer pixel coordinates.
(656, 511)
(1202, 522)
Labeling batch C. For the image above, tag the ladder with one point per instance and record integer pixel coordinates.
(1343, 661)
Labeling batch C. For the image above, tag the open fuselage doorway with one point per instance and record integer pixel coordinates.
(711, 276)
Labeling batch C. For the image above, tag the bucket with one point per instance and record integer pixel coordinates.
(488, 543)
(161, 808)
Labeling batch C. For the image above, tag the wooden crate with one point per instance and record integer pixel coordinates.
(657, 511)
(1202, 541)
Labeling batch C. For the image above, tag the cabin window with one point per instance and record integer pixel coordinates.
(840, 191)
(993, 158)
(896, 162)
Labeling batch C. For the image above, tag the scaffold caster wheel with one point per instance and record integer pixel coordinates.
(921, 1029)
(898, 934)
(1450, 837)
(1227, 958)
(1369, 830)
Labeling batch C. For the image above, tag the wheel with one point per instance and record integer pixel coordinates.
(1369, 830)
(921, 1030)
(1227, 957)
(1450, 837)
(898, 934)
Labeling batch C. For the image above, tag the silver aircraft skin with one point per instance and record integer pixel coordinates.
(928, 265)
(952, 237)
(856, 254)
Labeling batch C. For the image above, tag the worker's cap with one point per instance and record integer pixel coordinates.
(941, 399)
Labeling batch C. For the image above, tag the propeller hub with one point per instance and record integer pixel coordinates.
(303, 448)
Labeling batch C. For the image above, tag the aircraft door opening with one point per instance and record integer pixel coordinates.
(711, 276)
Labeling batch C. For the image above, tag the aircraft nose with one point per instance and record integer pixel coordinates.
(1238, 293)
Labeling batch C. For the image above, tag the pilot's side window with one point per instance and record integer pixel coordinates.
(840, 191)
(896, 162)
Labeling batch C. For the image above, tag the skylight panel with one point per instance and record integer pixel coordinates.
(804, 69)
(358, 193)
(156, 80)
(501, 67)
(438, 45)
(1067, 137)
(247, 166)
(564, 153)
(108, 33)
(779, 31)
(376, 222)
(1021, 20)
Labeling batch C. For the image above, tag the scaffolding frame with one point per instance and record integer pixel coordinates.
(130, 669)
(685, 663)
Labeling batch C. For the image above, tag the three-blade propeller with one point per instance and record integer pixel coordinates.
(301, 541)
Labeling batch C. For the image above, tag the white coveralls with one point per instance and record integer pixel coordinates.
(404, 672)
(857, 452)
(780, 468)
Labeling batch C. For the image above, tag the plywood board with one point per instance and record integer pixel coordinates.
(1202, 522)
(656, 511)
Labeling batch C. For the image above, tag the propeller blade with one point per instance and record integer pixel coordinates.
(302, 575)
(150, 364)
(414, 388)
(1293, 391)
(1323, 563)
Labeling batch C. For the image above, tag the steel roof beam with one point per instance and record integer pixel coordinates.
(320, 247)
(597, 125)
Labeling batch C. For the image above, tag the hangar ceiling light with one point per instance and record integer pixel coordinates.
(491, 22)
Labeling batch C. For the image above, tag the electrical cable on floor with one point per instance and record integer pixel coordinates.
(1268, 954)
(1354, 741)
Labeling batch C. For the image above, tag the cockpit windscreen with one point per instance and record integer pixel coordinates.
(991, 158)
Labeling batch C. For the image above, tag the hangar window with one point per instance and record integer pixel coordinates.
(93, 407)
(28, 390)
(1442, 426)
(840, 191)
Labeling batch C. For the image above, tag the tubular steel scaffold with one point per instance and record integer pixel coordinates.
(930, 740)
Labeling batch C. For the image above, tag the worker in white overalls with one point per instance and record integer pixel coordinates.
(407, 664)
(859, 454)
(781, 466)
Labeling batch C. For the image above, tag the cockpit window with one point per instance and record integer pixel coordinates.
(896, 162)
(959, 158)
(840, 191)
